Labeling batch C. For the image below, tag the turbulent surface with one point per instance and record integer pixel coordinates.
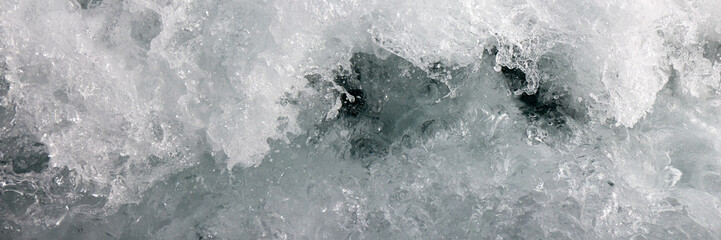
(354, 119)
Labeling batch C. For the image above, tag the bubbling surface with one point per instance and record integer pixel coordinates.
(328, 119)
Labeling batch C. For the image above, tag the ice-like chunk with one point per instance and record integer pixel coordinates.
(633, 81)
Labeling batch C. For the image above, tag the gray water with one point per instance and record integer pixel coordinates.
(160, 119)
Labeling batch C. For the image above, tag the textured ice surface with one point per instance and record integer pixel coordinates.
(352, 119)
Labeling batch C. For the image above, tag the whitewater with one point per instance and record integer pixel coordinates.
(360, 119)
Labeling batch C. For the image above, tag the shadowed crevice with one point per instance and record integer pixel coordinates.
(534, 106)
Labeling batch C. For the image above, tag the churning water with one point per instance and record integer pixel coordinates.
(360, 119)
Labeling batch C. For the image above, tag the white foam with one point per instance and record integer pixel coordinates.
(224, 70)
